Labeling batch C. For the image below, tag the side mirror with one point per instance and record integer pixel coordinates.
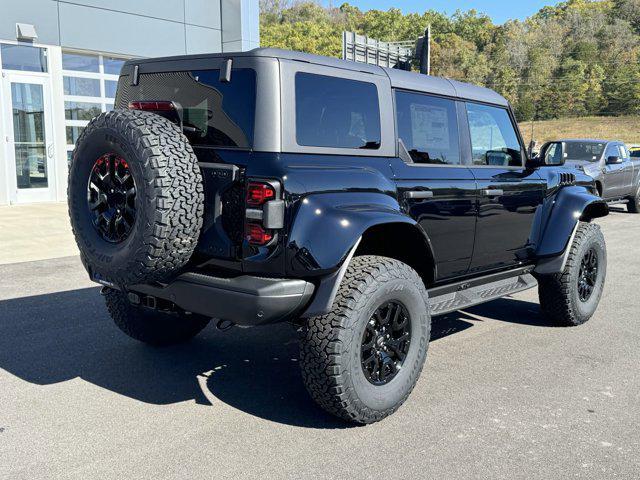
(614, 160)
(552, 154)
(498, 158)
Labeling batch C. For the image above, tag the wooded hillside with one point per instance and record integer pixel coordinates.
(580, 58)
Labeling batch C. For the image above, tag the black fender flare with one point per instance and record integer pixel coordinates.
(326, 232)
(570, 205)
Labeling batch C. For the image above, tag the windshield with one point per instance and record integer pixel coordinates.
(589, 151)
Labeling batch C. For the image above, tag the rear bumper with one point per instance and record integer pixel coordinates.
(243, 300)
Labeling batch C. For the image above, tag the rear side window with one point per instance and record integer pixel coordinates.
(215, 113)
(428, 127)
(635, 153)
(336, 112)
(493, 137)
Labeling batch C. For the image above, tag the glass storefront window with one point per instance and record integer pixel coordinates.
(29, 135)
(81, 110)
(24, 58)
(72, 134)
(96, 82)
(80, 62)
(86, 87)
(110, 87)
(112, 66)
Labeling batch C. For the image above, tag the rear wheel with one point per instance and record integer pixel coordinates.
(571, 297)
(361, 361)
(152, 326)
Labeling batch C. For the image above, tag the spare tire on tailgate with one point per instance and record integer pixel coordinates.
(135, 198)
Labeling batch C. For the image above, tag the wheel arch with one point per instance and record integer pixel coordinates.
(373, 224)
(570, 206)
(409, 245)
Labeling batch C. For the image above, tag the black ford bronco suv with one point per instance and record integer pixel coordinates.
(354, 201)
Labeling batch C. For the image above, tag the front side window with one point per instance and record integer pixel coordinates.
(612, 151)
(494, 140)
(336, 112)
(428, 128)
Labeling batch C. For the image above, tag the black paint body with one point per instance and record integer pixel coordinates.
(452, 221)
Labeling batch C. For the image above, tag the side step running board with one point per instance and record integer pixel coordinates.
(443, 301)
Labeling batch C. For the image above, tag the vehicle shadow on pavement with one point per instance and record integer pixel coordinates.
(507, 310)
(57, 337)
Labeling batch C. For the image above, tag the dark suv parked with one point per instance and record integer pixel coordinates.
(354, 201)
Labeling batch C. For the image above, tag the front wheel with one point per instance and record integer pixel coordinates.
(571, 297)
(361, 361)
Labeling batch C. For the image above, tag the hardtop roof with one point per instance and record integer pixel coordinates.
(399, 78)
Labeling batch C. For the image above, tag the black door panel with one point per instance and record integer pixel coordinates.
(443, 202)
(509, 195)
(434, 188)
(507, 205)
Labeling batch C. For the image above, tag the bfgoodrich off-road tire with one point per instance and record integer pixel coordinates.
(167, 203)
(151, 326)
(633, 205)
(571, 297)
(332, 345)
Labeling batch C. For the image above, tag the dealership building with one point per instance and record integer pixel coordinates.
(59, 63)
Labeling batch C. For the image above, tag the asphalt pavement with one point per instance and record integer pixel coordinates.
(503, 394)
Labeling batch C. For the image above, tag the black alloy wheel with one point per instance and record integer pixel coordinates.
(111, 197)
(588, 275)
(385, 343)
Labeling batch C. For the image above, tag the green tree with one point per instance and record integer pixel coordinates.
(579, 57)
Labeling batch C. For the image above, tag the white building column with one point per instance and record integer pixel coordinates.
(240, 25)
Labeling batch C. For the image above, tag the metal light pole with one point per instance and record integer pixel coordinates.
(425, 52)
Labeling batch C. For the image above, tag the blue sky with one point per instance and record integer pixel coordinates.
(499, 10)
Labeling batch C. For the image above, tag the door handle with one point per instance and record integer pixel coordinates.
(50, 151)
(493, 192)
(416, 194)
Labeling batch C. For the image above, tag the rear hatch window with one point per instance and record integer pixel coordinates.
(215, 113)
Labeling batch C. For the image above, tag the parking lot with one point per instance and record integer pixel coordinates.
(503, 395)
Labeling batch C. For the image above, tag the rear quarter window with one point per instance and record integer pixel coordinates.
(336, 112)
(215, 113)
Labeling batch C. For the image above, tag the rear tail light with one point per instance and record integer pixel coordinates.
(259, 193)
(264, 211)
(257, 235)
